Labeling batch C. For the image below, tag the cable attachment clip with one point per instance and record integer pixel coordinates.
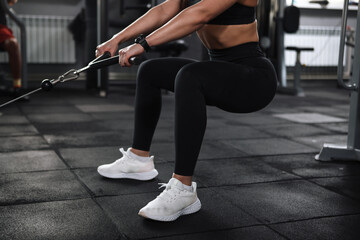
(48, 84)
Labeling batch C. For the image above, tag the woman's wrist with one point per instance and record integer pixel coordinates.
(117, 39)
(141, 40)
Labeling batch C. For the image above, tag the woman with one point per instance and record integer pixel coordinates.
(9, 43)
(238, 78)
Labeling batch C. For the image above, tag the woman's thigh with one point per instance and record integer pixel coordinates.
(234, 87)
(161, 72)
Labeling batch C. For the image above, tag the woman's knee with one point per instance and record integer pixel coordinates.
(151, 72)
(188, 79)
(145, 70)
(11, 45)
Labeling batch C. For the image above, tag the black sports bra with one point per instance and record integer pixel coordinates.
(236, 14)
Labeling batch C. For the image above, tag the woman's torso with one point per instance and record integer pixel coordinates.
(224, 35)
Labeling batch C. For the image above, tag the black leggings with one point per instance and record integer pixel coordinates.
(246, 84)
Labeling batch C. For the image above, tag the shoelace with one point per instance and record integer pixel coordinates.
(124, 153)
(169, 193)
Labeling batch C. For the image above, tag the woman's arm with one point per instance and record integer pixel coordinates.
(151, 20)
(184, 23)
(188, 21)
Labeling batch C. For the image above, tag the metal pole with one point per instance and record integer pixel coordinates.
(98, 36)
(341, 49)
(90, 41)
(272, 28)
(281, 68)
(354, 116)
(102, 32)
(297, 85)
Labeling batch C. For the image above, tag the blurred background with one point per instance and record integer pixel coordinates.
(63, 35)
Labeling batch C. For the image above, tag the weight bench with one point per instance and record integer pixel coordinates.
(297, 89)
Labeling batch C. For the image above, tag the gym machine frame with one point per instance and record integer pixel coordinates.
(351, 151)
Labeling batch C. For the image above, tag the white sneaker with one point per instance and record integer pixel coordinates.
(129, 167)
(173, 202)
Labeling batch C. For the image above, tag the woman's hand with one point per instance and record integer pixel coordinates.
(130, 51)
(108, 46)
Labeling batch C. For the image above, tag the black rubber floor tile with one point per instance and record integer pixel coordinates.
(52, 99)
(71, 220)
(259, 119)
(348, 186)
(90, 157)
(163, 135)
(216, 123)
(79, 98)
(216, 214)
(309, 118)
(11, 144)
(237, 171)
(167, 113)
(234, 132)
(342, 107)
(39, 186)
(306, 166)
(28, 161)
(59, 117)
(102, 186)
(275, 109)
(160, 135)
(17, 130)
(294, 130)
(319, 140)
(217, 149)
(126, 124)
(165, 151)
(341, 128)
(289, 201)
(105, 107)
(79, 127)
(329, 94)
(112, 115)
(333, 228)
(87, 139)
(214, 112)
(247, 233)
(9, 110)
(269, 146)
(12, 119)
(118, 124)
(46, 109)
(329, 109)
(335, 112)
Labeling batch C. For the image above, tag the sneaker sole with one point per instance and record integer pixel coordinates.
(143, 176)
(193, 208)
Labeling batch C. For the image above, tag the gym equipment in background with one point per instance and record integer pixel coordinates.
(350, 151)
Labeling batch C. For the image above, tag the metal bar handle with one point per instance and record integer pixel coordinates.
(350, 86)
(111, 61)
